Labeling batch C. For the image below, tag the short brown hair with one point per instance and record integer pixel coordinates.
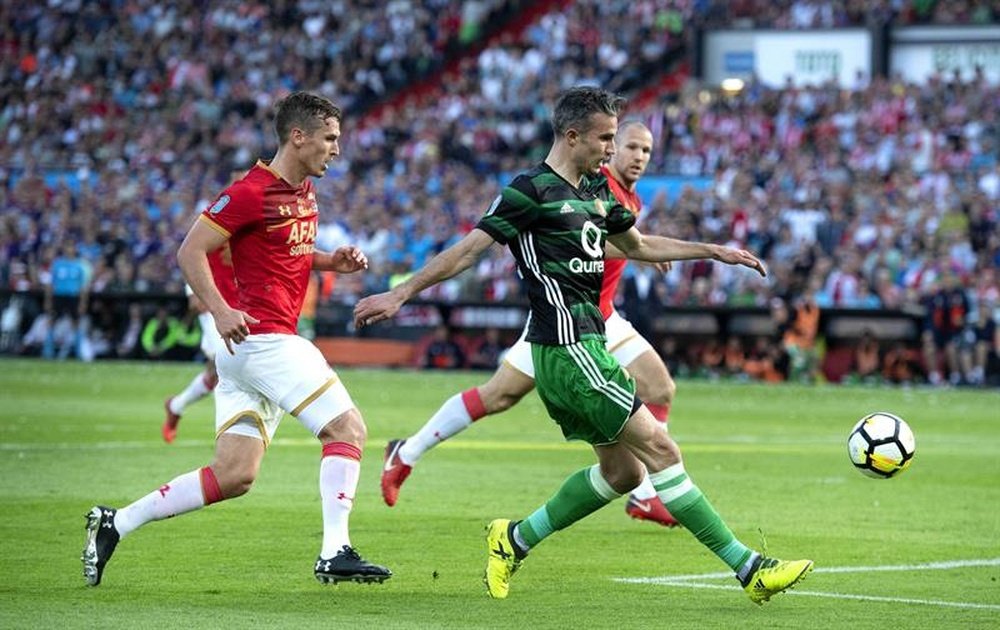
(304, 110)
(575, 106)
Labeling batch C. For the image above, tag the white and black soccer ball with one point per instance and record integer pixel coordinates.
(881, 445)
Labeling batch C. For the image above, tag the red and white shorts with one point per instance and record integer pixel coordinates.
(269, 375)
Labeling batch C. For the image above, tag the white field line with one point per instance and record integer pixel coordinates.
(738, 445)
(866, 598)
(693, 581)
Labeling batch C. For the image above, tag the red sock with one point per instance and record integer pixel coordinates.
(210, 486)
(660, 412)
(473, 404)
(342, 449)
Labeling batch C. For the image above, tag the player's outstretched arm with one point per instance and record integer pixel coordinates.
(192, 257)
(448, 263)
(346, 259)
(651, 248)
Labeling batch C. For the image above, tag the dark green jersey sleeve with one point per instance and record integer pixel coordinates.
(619, 218)
(512, 212)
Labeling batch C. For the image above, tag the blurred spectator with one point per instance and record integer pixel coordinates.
(979, 344)
(901, 365)
(947, 309)
(486, 351)
(713, 357)
(764, 362)
(799, 337)
(734, 357)
(867, 362)
(443, 352)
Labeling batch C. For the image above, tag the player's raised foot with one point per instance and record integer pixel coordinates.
(102, 538)
(348, 566)
(650, 510)
(771, 576)
(169, 429)
(394, 472)
(503, 557)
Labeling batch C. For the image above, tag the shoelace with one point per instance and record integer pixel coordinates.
(348, 552)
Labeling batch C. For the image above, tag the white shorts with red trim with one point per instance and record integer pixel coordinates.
(269, 375)
(624, 343)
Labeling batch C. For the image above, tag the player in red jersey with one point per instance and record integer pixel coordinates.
(269, 219)
(516, 376)
(221, 264)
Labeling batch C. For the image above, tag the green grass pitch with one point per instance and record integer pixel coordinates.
(918, 551)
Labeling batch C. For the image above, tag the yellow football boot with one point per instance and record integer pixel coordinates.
(772, 576)
(502, 560)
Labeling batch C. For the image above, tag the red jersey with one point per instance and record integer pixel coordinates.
(613, 267)
(271, 226)
(221, 263)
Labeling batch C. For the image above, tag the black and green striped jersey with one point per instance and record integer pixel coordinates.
(556, 233)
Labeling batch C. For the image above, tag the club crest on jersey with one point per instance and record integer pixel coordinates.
(219, 204)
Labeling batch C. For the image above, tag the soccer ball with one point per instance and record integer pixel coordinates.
(881, 445)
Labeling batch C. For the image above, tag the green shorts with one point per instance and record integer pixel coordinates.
(585, 390)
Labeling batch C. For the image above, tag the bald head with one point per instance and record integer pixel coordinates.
(633, 148)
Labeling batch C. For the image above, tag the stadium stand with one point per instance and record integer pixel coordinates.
(118, 126)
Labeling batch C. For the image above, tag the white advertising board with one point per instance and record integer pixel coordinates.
(805, 57)
(917, 53)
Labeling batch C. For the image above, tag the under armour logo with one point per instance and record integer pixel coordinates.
(322, 564)
(342, 496)
(164, 489)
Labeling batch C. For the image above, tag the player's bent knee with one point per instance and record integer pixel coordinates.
(347, 427)
(237, 487)
(664, 451)
(671, 390)
(234, 481)
(622, 478)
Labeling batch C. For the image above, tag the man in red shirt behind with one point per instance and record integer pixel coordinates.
(221, 264)
(269, 219)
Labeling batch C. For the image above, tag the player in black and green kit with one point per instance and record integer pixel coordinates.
(557, 219)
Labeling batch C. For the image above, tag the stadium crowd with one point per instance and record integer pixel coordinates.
(117, 127)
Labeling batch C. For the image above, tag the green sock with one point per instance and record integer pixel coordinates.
(583, 492)
(690, 507)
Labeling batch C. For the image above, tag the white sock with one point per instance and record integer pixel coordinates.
(338, 481)
(181, 495)
(450, 419)
(194, 392)
(645, 490)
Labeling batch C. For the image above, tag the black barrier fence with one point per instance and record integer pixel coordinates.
(113, 311)
(159, 326)
(836, 325)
